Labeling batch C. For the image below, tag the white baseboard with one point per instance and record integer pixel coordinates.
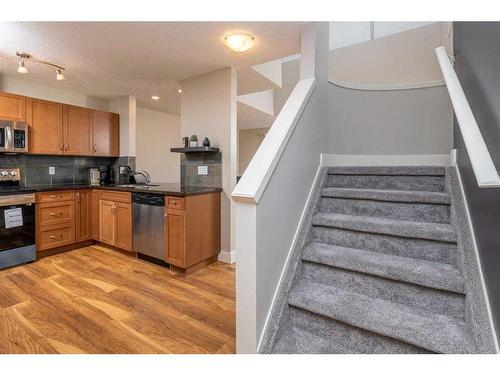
(478, 259)
(345, 160)
(227, 257)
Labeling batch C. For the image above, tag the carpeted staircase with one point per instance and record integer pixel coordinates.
(380, 270)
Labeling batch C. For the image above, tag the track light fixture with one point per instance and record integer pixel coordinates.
(23, 57)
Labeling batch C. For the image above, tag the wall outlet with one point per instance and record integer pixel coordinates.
(202, 170)
(52, 170)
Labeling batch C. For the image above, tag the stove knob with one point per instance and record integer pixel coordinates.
(4, 173)
(13, 173)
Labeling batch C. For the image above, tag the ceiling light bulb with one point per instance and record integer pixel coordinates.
(179, 91)
(22, 68)
(239, 42)
(154, 97)
(59, 75)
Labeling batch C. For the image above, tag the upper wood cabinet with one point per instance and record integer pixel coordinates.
(77, 130)
(106, 133)
(12, 107)
(45, 120)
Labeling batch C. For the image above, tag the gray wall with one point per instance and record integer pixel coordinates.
(477, 49)
(402, 122)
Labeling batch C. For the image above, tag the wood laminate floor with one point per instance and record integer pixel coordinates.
(97, 300)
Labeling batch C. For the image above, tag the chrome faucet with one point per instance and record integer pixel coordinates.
(146, 176)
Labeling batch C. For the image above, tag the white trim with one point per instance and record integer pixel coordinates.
(290, 58)
(290, 251)
(345, 160)
(227, 257)
(386, 87)
(480, 159)
(453, 157)
(476, 253)
(261, 167)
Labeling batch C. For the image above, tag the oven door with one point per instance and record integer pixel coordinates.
(17, 221)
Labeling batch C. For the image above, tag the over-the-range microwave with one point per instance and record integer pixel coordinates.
(13, 136)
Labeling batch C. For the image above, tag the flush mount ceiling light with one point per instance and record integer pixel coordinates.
(179, 91)
(154, 97)
(23, 57)
(239, 42)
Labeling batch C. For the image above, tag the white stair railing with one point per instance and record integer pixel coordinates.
(479, 156)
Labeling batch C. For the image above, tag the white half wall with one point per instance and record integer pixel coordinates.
(35, 90)
(208, 109)
(126, 107)
(157, 132)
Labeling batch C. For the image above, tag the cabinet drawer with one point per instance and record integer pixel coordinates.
(55, 213)
(175, 203)
(116, 196)
(55, 196)
(55, 236)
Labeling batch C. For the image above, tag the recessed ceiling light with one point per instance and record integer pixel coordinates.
(22, 68)
(239, 42)
(179, 91)
(154, 97)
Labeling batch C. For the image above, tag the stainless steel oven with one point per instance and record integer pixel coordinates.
(13, 137)
(17, 221)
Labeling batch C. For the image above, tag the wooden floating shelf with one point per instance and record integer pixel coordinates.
(187, 150)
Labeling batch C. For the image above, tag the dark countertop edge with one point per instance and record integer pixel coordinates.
(34, 189)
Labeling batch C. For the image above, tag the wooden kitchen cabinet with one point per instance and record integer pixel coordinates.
(106, 133)
(45, 120)
(192, 231)
(115, 220)
(77, 131)
(83, 218)
(95, 214)
(12, 107)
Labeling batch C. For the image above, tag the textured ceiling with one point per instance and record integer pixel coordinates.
(113, 59)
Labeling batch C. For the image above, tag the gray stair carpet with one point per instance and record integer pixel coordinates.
(379, 272)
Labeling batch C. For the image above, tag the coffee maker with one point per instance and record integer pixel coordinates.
(105, 175)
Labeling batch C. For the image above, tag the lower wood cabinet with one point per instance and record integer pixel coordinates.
(115, 220)
(192, 230)
(83, 209)
(95, 214)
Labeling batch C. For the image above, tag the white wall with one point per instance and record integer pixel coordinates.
(156, 133)
(208, 109)
(27, 88)
(249, 141)
(126, 107)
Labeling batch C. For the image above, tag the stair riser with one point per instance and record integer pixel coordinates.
(414, 248)
(353, 339)
(438, 301)
(420, 183)
(434, 213)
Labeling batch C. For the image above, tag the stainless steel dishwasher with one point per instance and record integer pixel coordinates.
(149, 224)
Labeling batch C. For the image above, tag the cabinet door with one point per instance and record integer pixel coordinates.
(45, 123)
(106, 133)
(175, 232)
(12, 107)
(107, 222)
(83, 215)
(95, 214)
(77, 130)
(123, 225)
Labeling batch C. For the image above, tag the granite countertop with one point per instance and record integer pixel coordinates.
(159, 188)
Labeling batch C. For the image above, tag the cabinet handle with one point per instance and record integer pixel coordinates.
(165, 215)
(77, 196)
(95, 148)
(61, 147)
(66, 147)
(56, 214)
(56, 237)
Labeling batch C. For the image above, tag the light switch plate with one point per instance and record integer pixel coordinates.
(52, 170)
(203, 170)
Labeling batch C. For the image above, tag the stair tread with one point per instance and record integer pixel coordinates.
(438, 333)
(395, 227)
(298, 340)
(407, 196)
(389, 171)
(411, 270)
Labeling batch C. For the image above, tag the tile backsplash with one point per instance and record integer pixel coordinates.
(68, 169)
(189, 169)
